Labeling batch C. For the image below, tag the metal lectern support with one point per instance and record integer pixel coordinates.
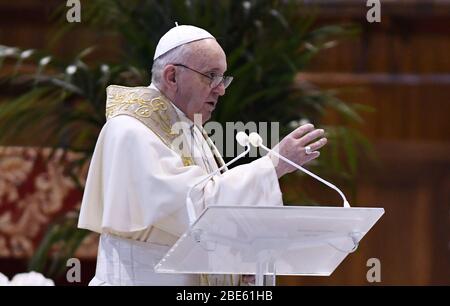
(261, 278)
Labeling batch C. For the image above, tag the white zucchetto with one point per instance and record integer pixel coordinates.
(178, 36)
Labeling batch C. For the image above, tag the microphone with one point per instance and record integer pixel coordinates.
(243, 139)
(257, 141)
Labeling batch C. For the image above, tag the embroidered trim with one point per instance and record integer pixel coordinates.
(151, 108)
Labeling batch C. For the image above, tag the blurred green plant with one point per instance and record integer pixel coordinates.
(267, 43)
(60, 243)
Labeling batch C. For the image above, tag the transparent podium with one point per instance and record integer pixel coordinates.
(268, 241)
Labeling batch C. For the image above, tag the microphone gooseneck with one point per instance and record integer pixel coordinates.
(243, 139)
(256, 141)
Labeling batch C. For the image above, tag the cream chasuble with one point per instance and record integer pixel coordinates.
(138, 181)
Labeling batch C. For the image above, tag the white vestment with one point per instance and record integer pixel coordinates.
(135, 196)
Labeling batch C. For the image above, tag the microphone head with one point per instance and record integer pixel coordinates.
(255, 139)
(242, 138)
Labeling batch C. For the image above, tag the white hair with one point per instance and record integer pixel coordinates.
(174, 56)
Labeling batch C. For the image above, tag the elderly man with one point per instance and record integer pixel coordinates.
(138, 179)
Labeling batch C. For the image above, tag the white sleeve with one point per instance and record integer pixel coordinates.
(136, 181)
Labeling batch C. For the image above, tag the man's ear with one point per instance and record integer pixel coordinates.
(169, 76)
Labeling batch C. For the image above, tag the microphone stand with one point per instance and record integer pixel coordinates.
(256, 141)
(243, 140)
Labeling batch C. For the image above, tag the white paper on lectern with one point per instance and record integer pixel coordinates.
(302, 240)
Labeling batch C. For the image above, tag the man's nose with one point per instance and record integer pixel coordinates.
(219, 89)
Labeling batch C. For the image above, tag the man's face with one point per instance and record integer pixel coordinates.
(194, 94)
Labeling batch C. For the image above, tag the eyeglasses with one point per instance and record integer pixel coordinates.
(215, 80)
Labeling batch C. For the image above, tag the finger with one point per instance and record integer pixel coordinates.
(311, 136)
(302, 130)
(310, 157)
(318, 144)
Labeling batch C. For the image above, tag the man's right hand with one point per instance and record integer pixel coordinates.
(293, 148)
